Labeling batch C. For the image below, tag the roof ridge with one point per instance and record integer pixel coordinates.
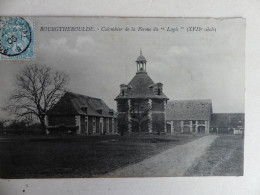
(228, 113)
(77, 94)
(190, 100)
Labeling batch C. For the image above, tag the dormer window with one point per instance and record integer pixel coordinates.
(84, 108)
(157, 88)
(125, 89)
(100, 111)
(159, 91)
(111, 111)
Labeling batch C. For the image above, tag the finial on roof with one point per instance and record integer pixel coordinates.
(141, 58)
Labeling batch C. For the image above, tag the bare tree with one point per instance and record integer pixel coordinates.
(139, 115)
(37, 89)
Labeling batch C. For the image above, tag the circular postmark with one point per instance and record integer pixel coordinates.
(15, 35)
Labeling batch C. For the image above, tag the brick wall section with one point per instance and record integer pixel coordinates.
(122, 123)
(143, 127)
(141, 103)
(139, 108)
(158, 105)
(122, 105)
(158, 116)
(122, 117)
(158, 122)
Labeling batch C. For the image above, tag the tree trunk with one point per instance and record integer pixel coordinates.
(139, 127)
(43, 127)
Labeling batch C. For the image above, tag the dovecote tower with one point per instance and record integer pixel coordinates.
(141, 103)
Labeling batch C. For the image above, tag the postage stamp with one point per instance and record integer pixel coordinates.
(17, 38)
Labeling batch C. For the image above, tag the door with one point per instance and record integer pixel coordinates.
(186, 129)
(169, 126)
(201, 129)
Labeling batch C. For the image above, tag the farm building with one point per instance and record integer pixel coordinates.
(189, 116)
(141, 104)
(226, 122)
(80, 114)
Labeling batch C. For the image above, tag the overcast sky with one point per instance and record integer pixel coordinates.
(194, 65)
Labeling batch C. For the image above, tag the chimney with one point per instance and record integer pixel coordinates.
(124, 90)
(111, 112)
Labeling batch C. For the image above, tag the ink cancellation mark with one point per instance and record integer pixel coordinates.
(17, 38)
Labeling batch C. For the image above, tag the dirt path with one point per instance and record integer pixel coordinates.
(172, 162)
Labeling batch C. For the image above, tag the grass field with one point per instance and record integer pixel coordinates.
(78, 156)
(224, 158)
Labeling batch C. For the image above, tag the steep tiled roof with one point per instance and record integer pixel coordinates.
(189, 110)
(72, 104)
(141, 88)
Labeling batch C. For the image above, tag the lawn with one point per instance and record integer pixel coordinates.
(225, 157)
(78, 156)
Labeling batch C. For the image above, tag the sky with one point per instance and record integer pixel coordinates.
(191, 65)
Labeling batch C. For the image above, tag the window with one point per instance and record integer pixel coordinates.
(201, 122)
(193, 122)
(159, 91)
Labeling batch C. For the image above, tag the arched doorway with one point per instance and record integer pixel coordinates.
(201, 129)
(169, 127)
(186, 129)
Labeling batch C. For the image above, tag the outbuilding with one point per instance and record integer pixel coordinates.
(189, 116)
(80, 114)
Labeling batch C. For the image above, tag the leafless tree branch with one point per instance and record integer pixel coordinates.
(37, 89)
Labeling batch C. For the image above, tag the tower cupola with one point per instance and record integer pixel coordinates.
(141, 63)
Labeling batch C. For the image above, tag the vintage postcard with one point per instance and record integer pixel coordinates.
(121, 97)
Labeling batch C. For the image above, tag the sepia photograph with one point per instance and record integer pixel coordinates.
(107, 97)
